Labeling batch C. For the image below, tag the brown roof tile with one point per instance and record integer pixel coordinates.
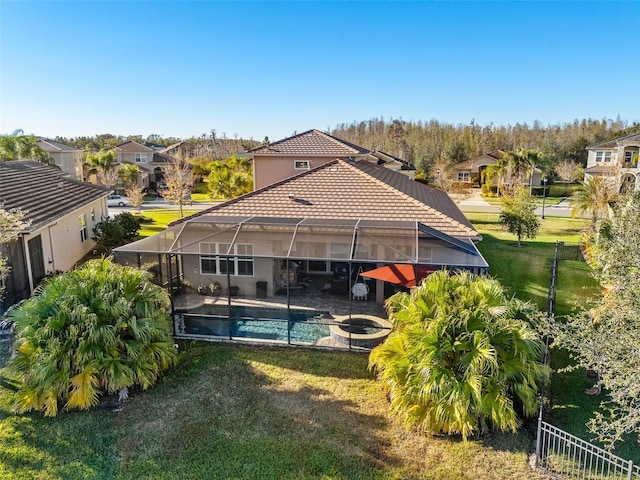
(352, 190)
(310, 143)
(43, 191)
(49, 145)
(131, 146)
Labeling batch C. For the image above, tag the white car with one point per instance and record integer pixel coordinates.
(117, 201)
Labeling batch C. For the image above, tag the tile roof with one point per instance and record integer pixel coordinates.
(495, 154)
(43, 192)
(613, 142)
(49, 145)
(385, 157)
(351, 190)
(601, 169)
(131, 146)
(311, 143)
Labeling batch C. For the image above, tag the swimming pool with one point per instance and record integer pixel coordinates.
(260, 323)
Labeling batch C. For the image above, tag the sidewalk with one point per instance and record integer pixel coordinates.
(473, 202)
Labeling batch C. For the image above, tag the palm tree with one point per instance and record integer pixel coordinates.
(230, 178)
(593, 198)
(102, 163)
(499, 171)
(97, 330)
(462, 357)
(19, 146)
(129, 174)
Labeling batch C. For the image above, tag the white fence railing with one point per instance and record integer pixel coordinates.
(565, 456)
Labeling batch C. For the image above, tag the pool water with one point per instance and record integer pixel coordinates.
(282, 325)
(361, 326)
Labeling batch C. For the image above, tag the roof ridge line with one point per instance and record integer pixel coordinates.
(253, 193)
(415, 201)
(339, 141)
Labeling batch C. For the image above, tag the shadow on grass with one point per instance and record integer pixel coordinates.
(525, 270)
(237, 415)
(70, 446)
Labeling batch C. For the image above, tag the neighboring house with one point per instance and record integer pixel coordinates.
(472, 170)
(341, 216)
(616, 158)
(62, 212)
(182, 150)
(288, 157)
(148, 159)
(66, 158)
(219, 148)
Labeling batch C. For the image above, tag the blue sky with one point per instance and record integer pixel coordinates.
(257, 69)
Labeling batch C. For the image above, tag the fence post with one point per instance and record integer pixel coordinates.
(539, 439)
(630, 472)
(551, 305)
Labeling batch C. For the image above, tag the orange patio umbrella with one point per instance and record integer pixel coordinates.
(400, 273)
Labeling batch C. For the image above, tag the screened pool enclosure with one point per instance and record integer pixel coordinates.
(288, 280)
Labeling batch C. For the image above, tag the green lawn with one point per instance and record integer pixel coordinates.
(244, 412)
(154, 221)
(527, 271)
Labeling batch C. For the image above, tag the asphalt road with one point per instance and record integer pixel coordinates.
(474, 204)
(154, 204)
(477, 204)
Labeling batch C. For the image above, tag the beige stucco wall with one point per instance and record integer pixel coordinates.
(61, 244)
(69, 162)
(268, 170)
(130, 157)
(263, 271)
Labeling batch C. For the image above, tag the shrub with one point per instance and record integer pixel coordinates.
(116, 231)
(462, 356)
(97, 330)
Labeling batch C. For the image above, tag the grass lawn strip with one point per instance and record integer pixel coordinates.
(155, 221)
(231, 411)
(244, 412)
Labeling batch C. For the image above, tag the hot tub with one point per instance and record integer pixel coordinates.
(366, 331)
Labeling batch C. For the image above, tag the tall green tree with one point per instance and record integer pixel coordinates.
(605, 337)
(518, 215)
(463, 357)
(230, 178)
(103, 164)
(129, 173)
(593, 199)
(19, 146)
(97, 330)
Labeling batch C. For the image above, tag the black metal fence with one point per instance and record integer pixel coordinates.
(558, 453)
(569, 251)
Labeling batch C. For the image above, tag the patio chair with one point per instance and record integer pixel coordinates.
(360, 291)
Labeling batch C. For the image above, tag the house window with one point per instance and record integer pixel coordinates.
(463, 176)
(607, 156)
(141, 158)
(628, 155)
(212, 263)
(83, 227)
(301, 164)
(599, 156)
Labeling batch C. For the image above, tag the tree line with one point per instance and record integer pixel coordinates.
(425, 143)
